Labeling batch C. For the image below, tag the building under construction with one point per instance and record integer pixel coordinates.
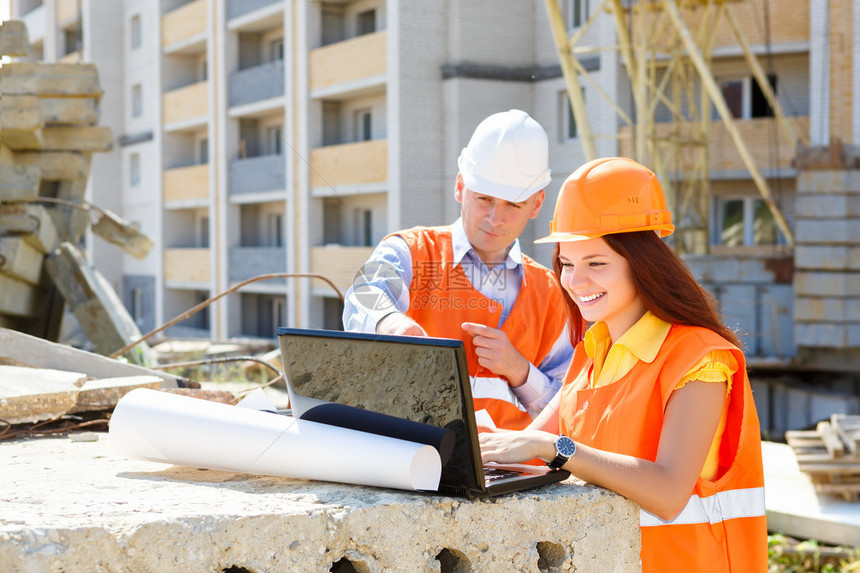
(278, 136)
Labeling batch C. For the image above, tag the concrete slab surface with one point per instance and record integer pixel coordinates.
(77, 506)
(795, 509)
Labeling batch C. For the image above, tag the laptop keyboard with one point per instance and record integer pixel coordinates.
(492, 474)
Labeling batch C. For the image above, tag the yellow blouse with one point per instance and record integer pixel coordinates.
(642, 342)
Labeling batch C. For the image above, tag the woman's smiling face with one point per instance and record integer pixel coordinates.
(600, 282)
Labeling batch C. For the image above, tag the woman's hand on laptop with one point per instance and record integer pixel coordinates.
(514, 447)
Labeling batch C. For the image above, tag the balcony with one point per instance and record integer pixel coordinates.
(237, 8)
(349, 166)
(186, 186)
(338, 264)
(186, 106)
(258, 174)
(184, 29)
(247, 262)
(723, 156)
(187, 266)
(352, 66)
(66, 11)
(258, 83)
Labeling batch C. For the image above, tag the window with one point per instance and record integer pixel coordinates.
(745, 98)
(279, 315)
(363, 125)
(203, 232)
(135, 32)
(134, 169)
(576, 13)
(203, 151)
(363, 228)
(274, 137)
(71, 41)
(275, 226)
(136, 100)
(203, 70)
(276, 50)
(745, 222)
(365, 22)
(567, 125)
(136, 310)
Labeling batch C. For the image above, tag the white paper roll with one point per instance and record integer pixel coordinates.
(163, 427)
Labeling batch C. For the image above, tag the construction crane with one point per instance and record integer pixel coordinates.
(667, 64)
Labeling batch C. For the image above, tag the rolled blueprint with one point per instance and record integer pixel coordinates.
(168, 428)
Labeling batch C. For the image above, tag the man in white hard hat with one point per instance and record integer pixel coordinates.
(470, 280)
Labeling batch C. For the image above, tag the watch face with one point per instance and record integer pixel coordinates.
(565, 446)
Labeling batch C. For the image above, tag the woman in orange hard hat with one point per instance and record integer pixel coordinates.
(656, 404)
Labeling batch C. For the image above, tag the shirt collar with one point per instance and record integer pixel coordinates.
(461, 246)
(643, 339)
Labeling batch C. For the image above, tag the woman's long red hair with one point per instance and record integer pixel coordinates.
(662, 280)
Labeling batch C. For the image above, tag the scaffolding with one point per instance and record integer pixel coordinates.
(666, 48)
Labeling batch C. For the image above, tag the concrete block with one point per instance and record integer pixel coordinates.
(837, 310)
(738, 308)
(56, 165)
(828, 231)
(820, 335)
(47, 354)
(843, 181)
(35, 394)
(105, 393)
(829, 258)
(20, 260)
(776, 318)
(827, 206)
(94, 303)
(20, 113)
(18, 298)
(14, 40)
(827, 284)
(130, 515)
(30, 221)
(69, 111)
(77, 138)
(19, 182)
(43, 79)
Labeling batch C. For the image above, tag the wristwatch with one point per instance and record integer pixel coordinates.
(564, 449)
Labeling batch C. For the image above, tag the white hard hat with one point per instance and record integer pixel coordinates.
(507, 157)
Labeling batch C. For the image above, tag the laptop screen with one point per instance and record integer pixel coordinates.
(420, 379)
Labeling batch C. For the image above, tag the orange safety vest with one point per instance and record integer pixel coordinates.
(442, 298)
(723, 525)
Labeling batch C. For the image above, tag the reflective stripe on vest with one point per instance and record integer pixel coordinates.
(724, 505)
(494, 388)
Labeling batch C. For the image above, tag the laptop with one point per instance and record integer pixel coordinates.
(419, 379)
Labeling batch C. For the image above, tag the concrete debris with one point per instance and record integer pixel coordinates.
(48, 133)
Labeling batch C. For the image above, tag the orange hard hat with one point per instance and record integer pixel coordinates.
(609, 195)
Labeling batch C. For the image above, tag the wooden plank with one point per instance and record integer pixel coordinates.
(34, 394)
(43, 79)
(94, 303)
(30, 221)
(831, 439)
(19, 298)
(20, 260)
(848, 428)
(19, 182)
